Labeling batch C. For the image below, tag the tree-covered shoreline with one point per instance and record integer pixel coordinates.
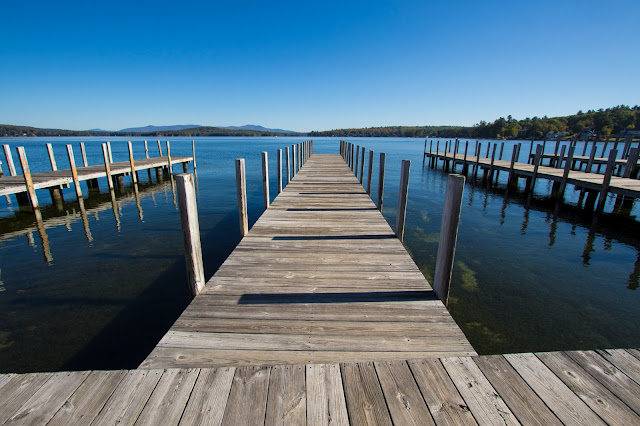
(608, 122)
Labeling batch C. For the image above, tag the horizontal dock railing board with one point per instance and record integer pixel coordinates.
(320, 263)
(551, 388)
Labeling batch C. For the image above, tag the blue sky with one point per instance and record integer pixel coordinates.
(312, 65)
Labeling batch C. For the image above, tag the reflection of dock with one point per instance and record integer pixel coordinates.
(553, 388)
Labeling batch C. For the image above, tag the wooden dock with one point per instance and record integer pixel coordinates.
(321, 277)
(554, 388)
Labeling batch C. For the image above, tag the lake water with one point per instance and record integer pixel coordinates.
(525, 278)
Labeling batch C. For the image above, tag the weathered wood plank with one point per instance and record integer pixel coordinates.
(556, 395)
(365, 401)
(325, 395)
(247, 403)
(443, 399)
(169, 398)
(209, 397)
(597, 397)
(485, 403)
(521, 399)
(287, 397)
(17, 390)
(404, 401)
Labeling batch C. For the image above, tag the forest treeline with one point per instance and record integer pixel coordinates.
(603, 122)
(17, 131)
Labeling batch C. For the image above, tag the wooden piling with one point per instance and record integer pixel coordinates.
(279, 171)
(611, 163)
(514, 153)
(362, 165)
(370, 173)
(591, 157)
(536, 165)
(265, 179)
(159, 148)
(190, 232)
(287, 164)
(169, 159)
(352, 159)
(107, 167)
(554, 160)
(134, 175)
(632, 161)
(567, 169)
(465, 166)
(193, 152)
(558, 163)
(52, 158)
(74, 173)
(83, 152)
(477, 165)
(357, 160)
(26, 172)
(530, 150)
(10, 165)
(402, 198)
(435, 162)
(448, 236)
(381, 180)
(146, 151)
(493, 159)
(109, 151)
(241, 189)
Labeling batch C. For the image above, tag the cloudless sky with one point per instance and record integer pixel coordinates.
(304, 65)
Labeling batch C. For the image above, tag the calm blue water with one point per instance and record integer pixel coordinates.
(525, 279)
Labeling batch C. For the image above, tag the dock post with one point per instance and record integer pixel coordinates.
(493, 159)
(448, 236)
(74, 175)
(293, 163)
(477, 165)
(159, 148)
(530, 150)
(169, 158)
(107, 167)
(465, 166)
(355, 171)
(134, 176)
(370, 173)
(10, 165)
(488, 148)
(109, 151)
(510, 181)
(52, 159)
(362, 166)
(279, 171)
(84, 155)
(241, 189)
(611, 163)
(287, 165)
(560, 159)
(146, 149)
(591, 157)
(265, 179)
(554, 160)
(55, 191)
(435, 162)
(190, 232)
(351, 157)
(445, 165)
(632, 160)
(536, 165)
(28, 182)
(381, 180)
(402, 198)
(193, 153)
(565, 175)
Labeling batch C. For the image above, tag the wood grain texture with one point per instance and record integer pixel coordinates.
(209, 397)
(365, 400)
(247, 401)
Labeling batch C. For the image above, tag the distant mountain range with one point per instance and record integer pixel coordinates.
(150, 128)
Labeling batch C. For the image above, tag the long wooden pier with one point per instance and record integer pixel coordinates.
(574, 388)
(321, 277)
(321, 317)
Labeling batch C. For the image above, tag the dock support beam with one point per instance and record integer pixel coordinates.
(448, 236)
(381, 180)
(279, 171)
(287, 164)
(362, 166)
(265, 179)
(611, 164)
(241, 188)
(370, 173)
(402, 198)
(28, 182)
(190, 232)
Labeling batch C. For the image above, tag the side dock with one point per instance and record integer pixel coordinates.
(321, 277)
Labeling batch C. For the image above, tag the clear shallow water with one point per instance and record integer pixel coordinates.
(524, 279)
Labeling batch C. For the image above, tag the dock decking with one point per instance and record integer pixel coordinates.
(321, 277)
(583, 387)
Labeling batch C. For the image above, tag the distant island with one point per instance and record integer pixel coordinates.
(621, 120)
